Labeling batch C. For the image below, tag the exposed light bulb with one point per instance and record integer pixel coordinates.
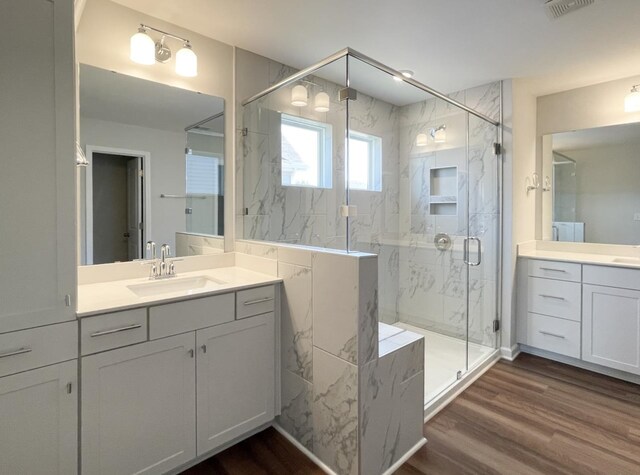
(299, 96)
(186, 62)
(322, 102)
(439, 134)
(142, 49)
(632, 100)
(421, 140)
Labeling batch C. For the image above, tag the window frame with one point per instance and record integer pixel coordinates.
(374, 180)
(325, 155)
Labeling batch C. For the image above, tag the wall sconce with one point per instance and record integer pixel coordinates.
(439, 134)
(632, 100)
(299, 96)
(321, 102)
(422, 140)
(143, 50)
(532, 182)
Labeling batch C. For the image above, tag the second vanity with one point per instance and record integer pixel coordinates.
(583, 305)
(190, 360)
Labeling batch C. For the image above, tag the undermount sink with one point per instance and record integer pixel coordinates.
(175, 284)
(627, 260)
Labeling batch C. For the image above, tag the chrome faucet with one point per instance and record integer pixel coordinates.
(163, 269)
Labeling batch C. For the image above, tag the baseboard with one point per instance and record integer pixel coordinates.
(510, 354)
(324, 467)
(448, 396)
(614, 373)
(405, 457)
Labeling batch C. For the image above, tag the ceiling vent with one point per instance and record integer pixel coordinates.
(558, 8)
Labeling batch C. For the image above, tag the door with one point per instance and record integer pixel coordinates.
(138, 407)
(482, 243)
(134, 236)
(611, 327)
(39, 421)
(236, 374)
(37, 182)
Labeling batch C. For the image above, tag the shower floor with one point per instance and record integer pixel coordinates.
(444, 357)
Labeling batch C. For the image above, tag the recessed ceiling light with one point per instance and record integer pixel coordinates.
(405, 72)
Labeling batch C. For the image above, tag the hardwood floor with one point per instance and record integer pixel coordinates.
(532, 416)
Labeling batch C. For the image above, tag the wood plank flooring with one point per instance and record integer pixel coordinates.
(532, 416)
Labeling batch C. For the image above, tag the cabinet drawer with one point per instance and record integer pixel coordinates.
(113, 330)
(255, 301)
(612, 277)
(190, 315)
(554, 298)
(555, 270)
(27, 349)
(554, 334)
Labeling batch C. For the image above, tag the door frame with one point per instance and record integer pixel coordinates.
(88, 194)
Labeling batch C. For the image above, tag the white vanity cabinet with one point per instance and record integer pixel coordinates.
(39, 421)
(236, 384)
(611, 319)
(37, 182)
(201, 378)
(138, 407)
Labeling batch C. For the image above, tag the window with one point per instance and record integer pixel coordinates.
(204, 175)
(306, 152)
(365, 162)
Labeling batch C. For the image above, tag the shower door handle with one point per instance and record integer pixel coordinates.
(466, 251)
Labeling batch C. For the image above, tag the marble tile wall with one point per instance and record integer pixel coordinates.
(190, 244)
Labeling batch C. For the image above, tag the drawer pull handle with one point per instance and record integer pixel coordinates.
(116, 330)
(551, 297)
(554, 270)
(19, 351)
(253, 302)
(552, 334)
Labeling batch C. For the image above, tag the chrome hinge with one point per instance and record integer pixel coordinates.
(188, 211)
(496, 326)
(188, 151)
(497, 148)
(245, 132)
(67, 300)
(348, 93)
(459, 375)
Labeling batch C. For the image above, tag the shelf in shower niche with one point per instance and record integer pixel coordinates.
(443, 199)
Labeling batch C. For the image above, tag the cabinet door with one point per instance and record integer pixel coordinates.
(37, 182)
(611, 327)
(236, 374)
(138, 407)
(39, 421)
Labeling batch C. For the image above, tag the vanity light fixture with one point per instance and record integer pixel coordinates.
(299, 96)
(422, 140)
(632, 100)
(143, 50)
(321, 102)
(439, 134)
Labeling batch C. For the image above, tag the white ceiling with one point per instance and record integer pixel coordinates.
(451, 45)
(114, 97)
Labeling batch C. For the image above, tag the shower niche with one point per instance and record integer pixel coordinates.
(443, 191)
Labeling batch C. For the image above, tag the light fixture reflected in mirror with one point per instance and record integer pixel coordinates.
(632, 100)
(321, 103)
(143, 50)
(299, 96)
(439, 134)
(422, 140)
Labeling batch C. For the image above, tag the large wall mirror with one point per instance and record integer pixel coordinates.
(156, 166)
(591, 185)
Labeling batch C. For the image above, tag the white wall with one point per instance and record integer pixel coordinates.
(102, 40)
(608, 193)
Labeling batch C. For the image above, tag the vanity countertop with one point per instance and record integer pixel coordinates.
(104, 297)
(595, 254)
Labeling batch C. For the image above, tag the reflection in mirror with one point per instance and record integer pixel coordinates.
(595, 192)
(156, 167)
